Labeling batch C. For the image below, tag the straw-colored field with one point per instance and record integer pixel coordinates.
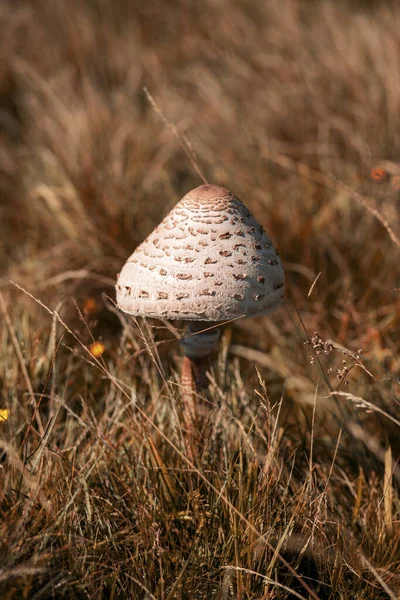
(287, 486)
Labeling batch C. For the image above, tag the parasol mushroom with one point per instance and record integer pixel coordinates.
(207, 262)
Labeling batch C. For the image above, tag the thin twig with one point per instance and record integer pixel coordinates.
(183, 141)
(331, 182)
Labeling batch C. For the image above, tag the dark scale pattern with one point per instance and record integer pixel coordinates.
(208, 259)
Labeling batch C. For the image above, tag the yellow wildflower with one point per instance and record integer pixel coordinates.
(3, 414)
(97, 349)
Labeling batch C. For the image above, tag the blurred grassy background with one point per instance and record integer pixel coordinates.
(292, 105)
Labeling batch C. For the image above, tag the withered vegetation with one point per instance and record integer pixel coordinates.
(288, 484)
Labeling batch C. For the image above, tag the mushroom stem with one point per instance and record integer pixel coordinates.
(188, 391)
(197, 346)
(200, 340)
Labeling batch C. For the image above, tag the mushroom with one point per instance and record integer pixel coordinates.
(207, 262)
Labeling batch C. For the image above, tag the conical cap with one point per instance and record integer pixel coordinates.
(208, 260)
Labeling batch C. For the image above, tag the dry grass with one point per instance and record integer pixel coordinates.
(293, 483)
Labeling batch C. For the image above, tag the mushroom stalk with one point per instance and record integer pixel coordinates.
(200, 341)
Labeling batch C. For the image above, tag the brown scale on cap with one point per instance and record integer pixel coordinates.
(212, 224)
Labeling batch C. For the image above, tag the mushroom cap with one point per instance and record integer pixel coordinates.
(208, 260)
